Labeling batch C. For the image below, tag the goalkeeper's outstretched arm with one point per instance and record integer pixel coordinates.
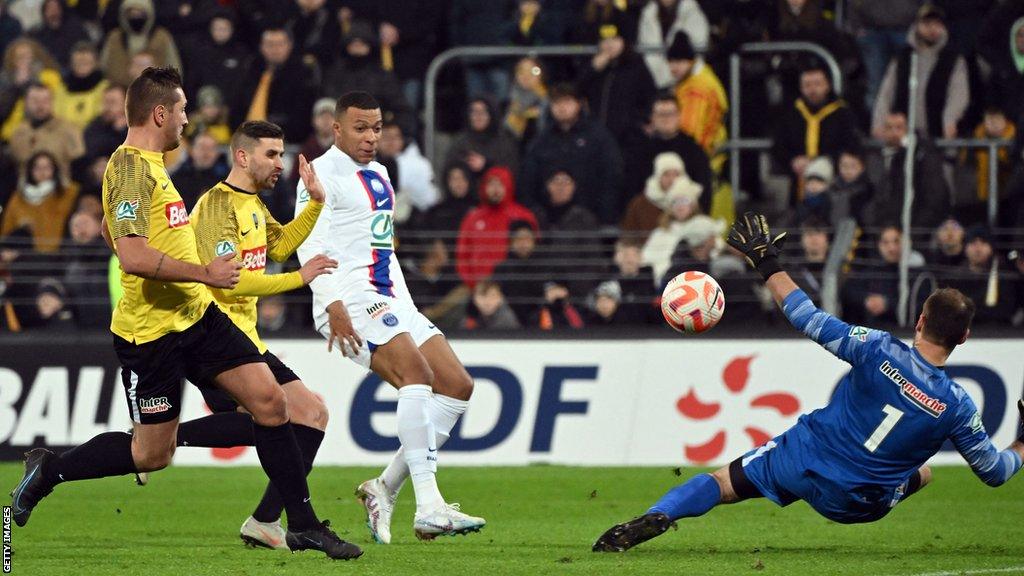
(751, 236)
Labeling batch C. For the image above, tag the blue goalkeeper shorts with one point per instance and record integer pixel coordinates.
(788, 468)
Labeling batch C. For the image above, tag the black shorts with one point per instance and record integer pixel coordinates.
(152, 373)
(220, 401)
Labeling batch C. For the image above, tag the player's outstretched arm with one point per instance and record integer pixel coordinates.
(260, 284)
(751, 236)
(139, 259)
(283, 241)
(992, 466)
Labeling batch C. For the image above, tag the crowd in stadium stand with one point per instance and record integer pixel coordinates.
(563, 191)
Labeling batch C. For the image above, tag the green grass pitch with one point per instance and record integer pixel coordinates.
(541, 520)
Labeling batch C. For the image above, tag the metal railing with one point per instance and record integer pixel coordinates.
(484, 52)
(738, 143)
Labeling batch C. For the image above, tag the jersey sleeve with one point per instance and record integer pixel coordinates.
(129, 195)
(974, 444)
(260, 284)
(282, 241)
(852, 344)
(325, 287)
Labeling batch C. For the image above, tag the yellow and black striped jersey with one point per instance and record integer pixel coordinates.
(139, 199)
(228, 219)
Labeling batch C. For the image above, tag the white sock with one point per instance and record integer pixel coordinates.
(444, 412)
(417, 436)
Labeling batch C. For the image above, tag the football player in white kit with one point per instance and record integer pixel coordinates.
(365, 307)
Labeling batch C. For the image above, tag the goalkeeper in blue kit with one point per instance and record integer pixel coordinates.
(864, 452)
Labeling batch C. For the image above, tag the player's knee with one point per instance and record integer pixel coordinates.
(463, 386)
(270, 407)
(724, 481)
(151, 459)
(926, 476)
(309, 411)
(320, 415)
(417, 372)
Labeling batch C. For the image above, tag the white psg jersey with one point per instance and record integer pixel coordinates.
(356, 228)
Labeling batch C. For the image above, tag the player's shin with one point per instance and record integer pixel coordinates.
(693, 498)
(444, 412)
(417, 436)
(221, 430)
(281, 459)
(107, 454)
(270, 507)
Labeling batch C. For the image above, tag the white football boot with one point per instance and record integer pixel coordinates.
(379, 504)
(448, 520)
(263, 534)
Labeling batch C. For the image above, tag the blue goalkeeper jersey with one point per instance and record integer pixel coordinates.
(893, 411)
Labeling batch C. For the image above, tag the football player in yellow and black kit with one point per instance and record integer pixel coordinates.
(230, 218)
(166, 328)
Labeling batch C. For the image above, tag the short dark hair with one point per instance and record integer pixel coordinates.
(251, 131)
(485, 286)
(36, 85)
(814, 224)
(355, 99)
(84, 46)
(813, 66)
(564, 90)
(947, 317)
(277, 30)
(154, 87)
(889, 226)
(665, 97)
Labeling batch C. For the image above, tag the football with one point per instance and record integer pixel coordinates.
(692, 302)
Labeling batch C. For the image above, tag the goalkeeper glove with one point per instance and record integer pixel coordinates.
(751, 236)
(1020, 427)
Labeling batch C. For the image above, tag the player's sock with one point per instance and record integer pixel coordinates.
(107, 454)
(693, 498)
(281, 460)
(444, 412)
(417, 436)
(221, 430)
(309, 439)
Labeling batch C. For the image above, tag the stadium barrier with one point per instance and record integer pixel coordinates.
(577, 402)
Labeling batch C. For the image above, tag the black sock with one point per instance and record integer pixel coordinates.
(282, 461)
(270, 507)
(108, 454)
(221, 430)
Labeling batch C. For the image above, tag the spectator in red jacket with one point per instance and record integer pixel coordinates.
(483, 235)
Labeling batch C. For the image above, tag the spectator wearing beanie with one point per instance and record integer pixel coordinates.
(645, 211)
(617, 84)
(816, 202)
(659, 23)
(943, 91)
(703, 103)
(681, 221)
(137, 32)
(664, 135)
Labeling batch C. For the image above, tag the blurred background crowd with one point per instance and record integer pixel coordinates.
(560, 192)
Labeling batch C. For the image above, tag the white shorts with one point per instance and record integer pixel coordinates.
(377, 319)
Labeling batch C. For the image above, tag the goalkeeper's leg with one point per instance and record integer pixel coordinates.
(695, 497)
